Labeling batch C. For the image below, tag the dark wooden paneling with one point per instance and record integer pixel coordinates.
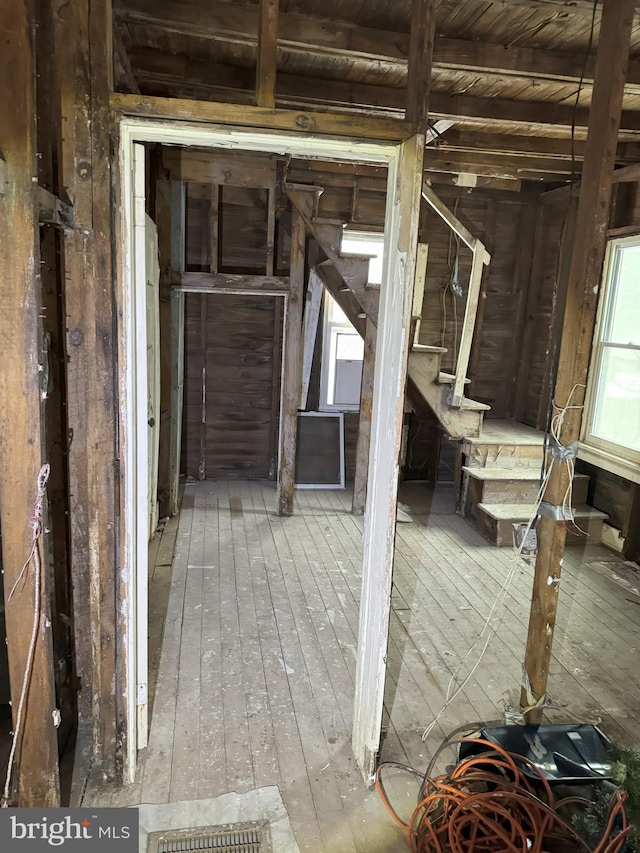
(608, 493)
(239, 377)
(243, 229)
(536, 377)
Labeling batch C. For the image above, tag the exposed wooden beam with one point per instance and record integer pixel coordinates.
(53, 210)
(291, 370)
(423, 29)
(501, 164)
(584, 278)
(267, 53)
(208, 81)
(231, 22)
(392, 346)
(22, 420)
(204, 282)
(83, 39)
(629, 173)
(333, 124)
(364, 421)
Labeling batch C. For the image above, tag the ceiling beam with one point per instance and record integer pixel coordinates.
(423, 30)
(267, 54)
(330, 123)
(513, 143)
(200, 78)
(234, 23)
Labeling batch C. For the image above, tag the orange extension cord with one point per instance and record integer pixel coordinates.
(487, 805)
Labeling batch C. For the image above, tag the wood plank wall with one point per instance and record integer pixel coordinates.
(538, 341)
(239, 342)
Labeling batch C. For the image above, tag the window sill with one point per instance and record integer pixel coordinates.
(609, 462)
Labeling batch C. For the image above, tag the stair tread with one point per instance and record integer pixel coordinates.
(522, 473)
(522, 512)
(472, 406)
(449, 379)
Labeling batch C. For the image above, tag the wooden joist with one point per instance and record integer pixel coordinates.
(172, 76)
(423, 28)
(239, 24)
(583, 284)
(22, 418)
(267, 54)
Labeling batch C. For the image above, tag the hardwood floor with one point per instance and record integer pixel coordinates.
(256, 659)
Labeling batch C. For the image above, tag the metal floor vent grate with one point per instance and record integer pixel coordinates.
(231, 838)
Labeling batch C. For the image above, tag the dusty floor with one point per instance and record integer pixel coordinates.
(253, 635)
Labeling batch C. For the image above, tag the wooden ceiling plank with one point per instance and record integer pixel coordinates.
(231, 22)
(423, 29)
(294, 90)
(267, 54)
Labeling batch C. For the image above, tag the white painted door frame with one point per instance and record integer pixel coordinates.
(393, 326)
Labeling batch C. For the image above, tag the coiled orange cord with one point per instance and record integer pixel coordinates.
(488, 805)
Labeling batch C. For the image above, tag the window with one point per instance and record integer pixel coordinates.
(611, 431)
(342, 356)
(342, 346)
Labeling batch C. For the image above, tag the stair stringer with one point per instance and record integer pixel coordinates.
(354, 269)
(464, 421)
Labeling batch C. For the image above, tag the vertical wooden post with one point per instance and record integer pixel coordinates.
(22, 449)
(364, 421)
(178, 202)
(267, 54)
(83, 47)
(401, 229)
(423, 29)
(564, 259)
(215, 227)
(582, 297)
(291, 374)
(163, 223)
(202, 466)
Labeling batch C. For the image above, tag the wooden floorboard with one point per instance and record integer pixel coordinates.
(256, 656)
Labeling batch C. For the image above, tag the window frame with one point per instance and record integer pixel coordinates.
(330, 330)
(612, 457)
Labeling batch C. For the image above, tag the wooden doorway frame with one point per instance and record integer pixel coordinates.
(404, 162)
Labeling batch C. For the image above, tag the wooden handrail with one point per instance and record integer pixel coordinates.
(481, 258)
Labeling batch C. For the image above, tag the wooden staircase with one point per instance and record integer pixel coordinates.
(346, 277)
(427, 379)
(500, 481)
